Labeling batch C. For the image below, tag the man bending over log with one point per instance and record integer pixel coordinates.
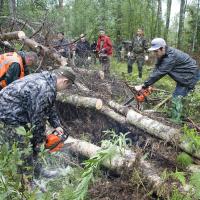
(179, 66)
(30, 102)
(15, 65)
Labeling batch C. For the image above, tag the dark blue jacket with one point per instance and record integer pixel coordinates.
(178, 65)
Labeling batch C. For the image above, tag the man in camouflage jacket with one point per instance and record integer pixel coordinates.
(139, 46)
(31, 100)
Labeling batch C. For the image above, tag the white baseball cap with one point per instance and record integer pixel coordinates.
(157, 43)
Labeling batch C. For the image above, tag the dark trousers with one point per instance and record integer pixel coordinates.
(140, 62)
(181, 90)
(105, 63)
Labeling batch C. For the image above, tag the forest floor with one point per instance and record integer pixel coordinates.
(89, 125)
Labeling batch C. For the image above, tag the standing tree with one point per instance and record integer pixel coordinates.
(169, 3)
(194, 40)
(181, 22)
(159, 18)
(12, 8)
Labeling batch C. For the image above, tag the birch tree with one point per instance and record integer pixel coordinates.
(194, 40)
(169, 3)
(181, 22)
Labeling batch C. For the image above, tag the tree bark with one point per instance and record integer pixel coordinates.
(1, 6)
(12, 35)
(169, 3)
(113, 115)
(123, 159)
(181, 22)
(80, 101)
(159, 18)
(194, 41)
(12, 8)
(126, 158)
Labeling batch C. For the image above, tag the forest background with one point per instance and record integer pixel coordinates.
(175, 20)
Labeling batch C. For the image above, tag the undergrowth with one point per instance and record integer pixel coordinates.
(71, 186)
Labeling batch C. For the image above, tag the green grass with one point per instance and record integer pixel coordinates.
(166, 83)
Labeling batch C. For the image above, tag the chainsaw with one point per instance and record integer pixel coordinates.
(139, 96)
(55, 141)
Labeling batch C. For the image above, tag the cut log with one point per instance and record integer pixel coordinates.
(119, 161)
(113, 115)
(118, 108)
(155, 128)
(124, 159)
(80, 101)
(152, 127)
(12, 35)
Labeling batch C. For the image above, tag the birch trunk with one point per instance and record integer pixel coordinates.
(125, 159)
(80, 101)
(12, 35)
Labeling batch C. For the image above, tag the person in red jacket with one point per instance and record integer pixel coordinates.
(104, 49)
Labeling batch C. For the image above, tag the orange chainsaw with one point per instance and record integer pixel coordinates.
(139, 96)
(55, 141)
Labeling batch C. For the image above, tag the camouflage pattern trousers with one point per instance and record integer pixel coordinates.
(139, 59)
(105, 63)
(9, 135)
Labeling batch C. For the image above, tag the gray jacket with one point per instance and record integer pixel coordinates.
(178, 65)
(30, 100)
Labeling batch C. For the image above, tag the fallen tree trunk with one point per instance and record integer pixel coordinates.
(155, 128)
(119, 108)
(127, 159)
(123, 159)
(80, 101)
(113, 115)
(12, 35)
(52, 53)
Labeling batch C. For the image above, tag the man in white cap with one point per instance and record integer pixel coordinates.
(179, 66)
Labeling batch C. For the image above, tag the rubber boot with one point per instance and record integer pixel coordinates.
(177, 108)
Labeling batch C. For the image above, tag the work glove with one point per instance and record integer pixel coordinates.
(129, 54)
(60, 130)
(89, 58)
(138, 87)
(146, 58)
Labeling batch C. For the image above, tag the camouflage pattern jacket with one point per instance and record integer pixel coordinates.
(30, 100)
(139, 45)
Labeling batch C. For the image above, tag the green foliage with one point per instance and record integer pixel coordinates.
(180, 176)
(192, 138)
(184, 159)
(176, 195)
(192, 104)
(195, 182)
(92, 165)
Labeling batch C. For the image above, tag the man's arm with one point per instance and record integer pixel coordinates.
(161, 70)
(13, 73)
(53, 118)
